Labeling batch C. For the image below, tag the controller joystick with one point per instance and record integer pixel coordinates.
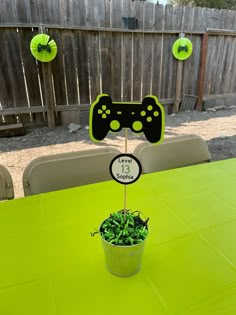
(146, 117)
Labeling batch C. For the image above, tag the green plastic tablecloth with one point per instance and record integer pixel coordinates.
(50, 264)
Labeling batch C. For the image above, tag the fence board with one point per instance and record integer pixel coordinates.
(72, 12)
(116, 14)
(58, 69)
(157, 65)
(190, 68)
(149, 11)
(168, 17)
(137, 67)
(104, 42)
(215, 18)
(228, 65)
(191, 19)
(8, 11)
(94, 64)
(127, 67)
(6, 97)
(157, 50)
(96, 18)
(168, 62)
(116, 64)
(210, 52)
(116, 44)
(158, 20)
(217, 48)
(49, 11)
(82, 62)
(177, 18)
(23, 12)
(232, 69)
(70, 62)
(188, 18)
(138, 9)
(34, 7)
(138, 53)
(147, 64)
(206, 18)
(16, 74)
(106, 60)
(227, 20)
(197, 24)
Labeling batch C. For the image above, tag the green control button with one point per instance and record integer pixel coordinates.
(156, 114)
(114, 125)
(149, 119)
(143, 113)
(150, 107)
(137, 126)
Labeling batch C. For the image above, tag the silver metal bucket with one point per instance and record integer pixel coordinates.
(123, 261)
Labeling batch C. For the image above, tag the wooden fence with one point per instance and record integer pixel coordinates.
(98, 54)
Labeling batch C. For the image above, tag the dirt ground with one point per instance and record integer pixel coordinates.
(217, 128)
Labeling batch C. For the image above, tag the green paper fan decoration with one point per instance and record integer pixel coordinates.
(182, 48)
(43, 48)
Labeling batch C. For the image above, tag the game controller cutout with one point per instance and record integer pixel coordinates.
(182, 48)
(147, 117)
(43, 48)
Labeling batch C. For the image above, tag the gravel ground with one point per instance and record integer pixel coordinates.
(217, 128)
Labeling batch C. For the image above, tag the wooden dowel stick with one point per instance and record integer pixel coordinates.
(125, 199)
(125, 190)
(126, 140)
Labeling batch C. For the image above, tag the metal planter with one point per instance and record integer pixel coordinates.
(123, 261)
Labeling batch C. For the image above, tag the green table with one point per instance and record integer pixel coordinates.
(50, 265)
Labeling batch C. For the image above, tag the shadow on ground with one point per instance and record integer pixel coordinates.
(222, 148)
(44, 136)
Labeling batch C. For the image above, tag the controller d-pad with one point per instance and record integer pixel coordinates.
(104, 111)
(137, 126)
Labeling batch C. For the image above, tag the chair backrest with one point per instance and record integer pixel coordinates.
(6, 184)
(66, 170)
(173, 152)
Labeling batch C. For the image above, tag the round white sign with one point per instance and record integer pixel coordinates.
(125, 168)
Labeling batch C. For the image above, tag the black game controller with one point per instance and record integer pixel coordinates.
(146, 117)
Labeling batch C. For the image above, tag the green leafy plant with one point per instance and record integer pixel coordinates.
(124, 228)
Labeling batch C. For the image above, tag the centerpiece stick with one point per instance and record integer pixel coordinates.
(125, 186)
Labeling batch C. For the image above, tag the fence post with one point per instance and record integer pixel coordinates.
(48, 93)
(48, 89)
(202, 71)
(178, 87)
(179, 79)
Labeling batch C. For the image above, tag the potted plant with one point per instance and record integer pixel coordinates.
(123, 236)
